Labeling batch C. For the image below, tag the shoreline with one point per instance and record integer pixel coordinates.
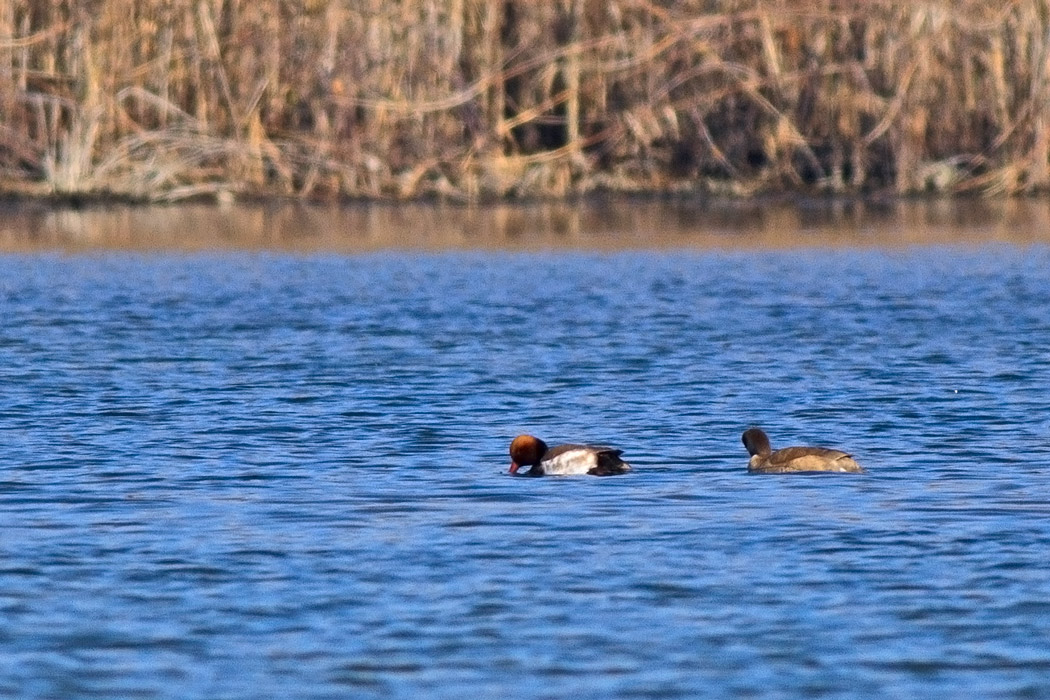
(36, 198)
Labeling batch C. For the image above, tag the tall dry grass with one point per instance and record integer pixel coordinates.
(164, 99)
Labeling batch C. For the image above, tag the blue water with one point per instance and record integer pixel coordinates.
(265, 475)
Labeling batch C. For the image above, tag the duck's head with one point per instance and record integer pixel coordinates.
(525, 451)
(756, 442)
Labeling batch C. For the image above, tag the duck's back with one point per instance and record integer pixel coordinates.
(583, 459)
(804, 459)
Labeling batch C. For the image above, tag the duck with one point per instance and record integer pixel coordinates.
(794, 459)
(596, 460)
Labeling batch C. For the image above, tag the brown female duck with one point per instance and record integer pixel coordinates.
(793, 459)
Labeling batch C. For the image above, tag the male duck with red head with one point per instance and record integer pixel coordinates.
(529, 451)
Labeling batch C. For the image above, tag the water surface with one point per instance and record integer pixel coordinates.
(275, 474)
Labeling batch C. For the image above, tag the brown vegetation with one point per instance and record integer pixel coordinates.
(468, 99)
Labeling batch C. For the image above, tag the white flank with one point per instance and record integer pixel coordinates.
(578, 461)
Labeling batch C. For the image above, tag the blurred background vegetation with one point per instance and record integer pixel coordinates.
(477, 99)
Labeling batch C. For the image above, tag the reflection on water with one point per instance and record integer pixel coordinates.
(248, 474)
(616, 223)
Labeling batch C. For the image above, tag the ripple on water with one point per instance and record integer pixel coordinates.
(286, 475)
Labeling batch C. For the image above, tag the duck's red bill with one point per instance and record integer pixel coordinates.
(514, 467)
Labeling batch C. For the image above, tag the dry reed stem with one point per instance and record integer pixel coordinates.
(161, 99)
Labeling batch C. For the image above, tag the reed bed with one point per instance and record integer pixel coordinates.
(475, 99)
